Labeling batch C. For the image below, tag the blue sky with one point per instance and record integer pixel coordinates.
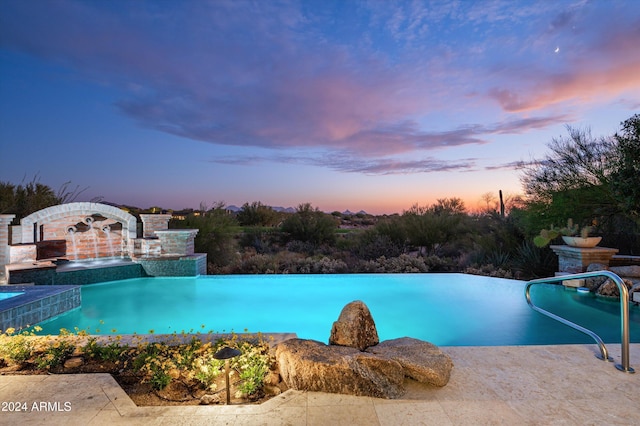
(373, 105)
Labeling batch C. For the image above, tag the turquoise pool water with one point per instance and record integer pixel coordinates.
(9, 294)
(445, 309)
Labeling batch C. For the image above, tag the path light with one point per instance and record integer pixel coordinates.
(227, 353)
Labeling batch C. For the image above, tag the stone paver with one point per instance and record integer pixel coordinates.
(525, 385)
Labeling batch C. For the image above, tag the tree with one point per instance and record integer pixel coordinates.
(625, 179)
(593, 181)
(215, 234)
(257, 214)
(24, 199)
(309, 224)
(579, 161)
(433, 227)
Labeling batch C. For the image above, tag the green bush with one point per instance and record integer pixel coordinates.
(55, 355)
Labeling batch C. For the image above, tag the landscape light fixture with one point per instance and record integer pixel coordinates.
(227, 353)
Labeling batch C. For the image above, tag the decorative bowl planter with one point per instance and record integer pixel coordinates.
(588, 242)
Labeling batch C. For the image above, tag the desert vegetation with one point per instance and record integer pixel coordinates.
(593, 181)
(178, 368)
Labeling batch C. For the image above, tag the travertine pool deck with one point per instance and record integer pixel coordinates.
(523, 385)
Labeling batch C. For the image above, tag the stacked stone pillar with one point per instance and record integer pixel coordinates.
(573, 260)
(5, 220)
(154, 222)
(177, 242)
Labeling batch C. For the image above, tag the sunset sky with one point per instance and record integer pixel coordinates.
(373, 105)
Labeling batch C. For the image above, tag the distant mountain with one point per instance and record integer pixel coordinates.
(284, 209)
(281, 209)
(350, 213)
(236, 209)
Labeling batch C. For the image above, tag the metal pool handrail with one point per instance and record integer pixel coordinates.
(624, 314)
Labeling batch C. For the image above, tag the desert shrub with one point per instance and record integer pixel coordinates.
(531, 261)
(106, 352)
(258, 264)
(55, 354)
(400, 264)
(216, 235)
(16, 348)
(372, 244)
(298, 246)
(489, 271)
(258, 214)
(440, 264)
(206, 369)
(310, 225)
(253, 363)
(260, 239)
(322, 265)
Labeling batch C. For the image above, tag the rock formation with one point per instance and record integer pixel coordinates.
(314, 366)
(421, 361)
(355, 327)
(604, 286)
(355, 363)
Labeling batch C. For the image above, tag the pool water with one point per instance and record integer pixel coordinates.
(445, 309)
(10, 294)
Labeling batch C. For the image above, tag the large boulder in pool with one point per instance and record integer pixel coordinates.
(313, 366)
(355, 327)
(420, 360)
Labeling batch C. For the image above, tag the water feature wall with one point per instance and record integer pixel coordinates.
(81, 232)
(77, 231)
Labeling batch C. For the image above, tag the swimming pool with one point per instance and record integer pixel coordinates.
(445, 309)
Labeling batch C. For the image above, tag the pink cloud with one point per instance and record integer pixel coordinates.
(601, 70)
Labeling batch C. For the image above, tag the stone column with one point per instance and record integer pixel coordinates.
(154, 222)
(574, 260)
(177, 242)
(5, 220)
